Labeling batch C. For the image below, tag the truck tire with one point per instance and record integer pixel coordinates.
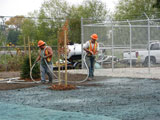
(152, 61)
(78, 65)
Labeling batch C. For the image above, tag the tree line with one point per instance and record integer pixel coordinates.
(45, 23)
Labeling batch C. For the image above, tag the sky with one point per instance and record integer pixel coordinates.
(23, 7)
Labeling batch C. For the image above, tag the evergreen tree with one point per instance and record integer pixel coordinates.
(25, 69)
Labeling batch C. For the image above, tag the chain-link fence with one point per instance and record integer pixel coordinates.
(122, 43)
(134, 43)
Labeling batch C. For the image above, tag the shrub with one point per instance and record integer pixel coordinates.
(25, 68)
(10, 63)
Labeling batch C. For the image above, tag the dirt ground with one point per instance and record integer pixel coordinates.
(10, 86)
(9, 74)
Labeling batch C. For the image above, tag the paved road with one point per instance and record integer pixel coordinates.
(124, 72)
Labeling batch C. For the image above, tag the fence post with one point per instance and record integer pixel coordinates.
(149, 64)
(82, 42)
(130, 35)
(112, 45)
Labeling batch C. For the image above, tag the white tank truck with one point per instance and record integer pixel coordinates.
(75, 54)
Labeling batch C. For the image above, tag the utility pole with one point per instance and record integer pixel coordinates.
(4, 33)
(3, 30)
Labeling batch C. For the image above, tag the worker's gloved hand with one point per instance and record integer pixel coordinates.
(44, 57)
(91, 52)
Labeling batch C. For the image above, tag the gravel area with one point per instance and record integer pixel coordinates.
(121, 94)
(31, 113)
(115, 98)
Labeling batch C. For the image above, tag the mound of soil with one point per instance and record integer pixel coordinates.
(62, 87)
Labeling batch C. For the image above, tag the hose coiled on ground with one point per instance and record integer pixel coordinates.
(34, 81)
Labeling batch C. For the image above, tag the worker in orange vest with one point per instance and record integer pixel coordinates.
(92, 48)
(45, 57)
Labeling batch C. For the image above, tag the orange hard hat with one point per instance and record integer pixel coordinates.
(94, 36)
(40, 43)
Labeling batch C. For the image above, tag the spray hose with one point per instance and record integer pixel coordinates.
(31, 73)
(84, 59)
(51, 71)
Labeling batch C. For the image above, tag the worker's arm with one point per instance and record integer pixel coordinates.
(88, 51)
(39, 57)
(97, 49)
(96, 53)
(86, 46)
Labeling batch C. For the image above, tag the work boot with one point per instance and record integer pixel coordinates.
(49, 81)
(43, 82)
(89, 79)
(93, 78)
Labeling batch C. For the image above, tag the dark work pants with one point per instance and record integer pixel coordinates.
(90, 62)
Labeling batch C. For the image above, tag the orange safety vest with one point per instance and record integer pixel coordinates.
(48, 58)
(46, 53)
(94, 49)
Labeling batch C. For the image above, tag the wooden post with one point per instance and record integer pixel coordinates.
(29, 50)
(59, 75)
(65, 46)
(24, 44)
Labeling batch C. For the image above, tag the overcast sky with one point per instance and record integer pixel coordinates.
(22, 7)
